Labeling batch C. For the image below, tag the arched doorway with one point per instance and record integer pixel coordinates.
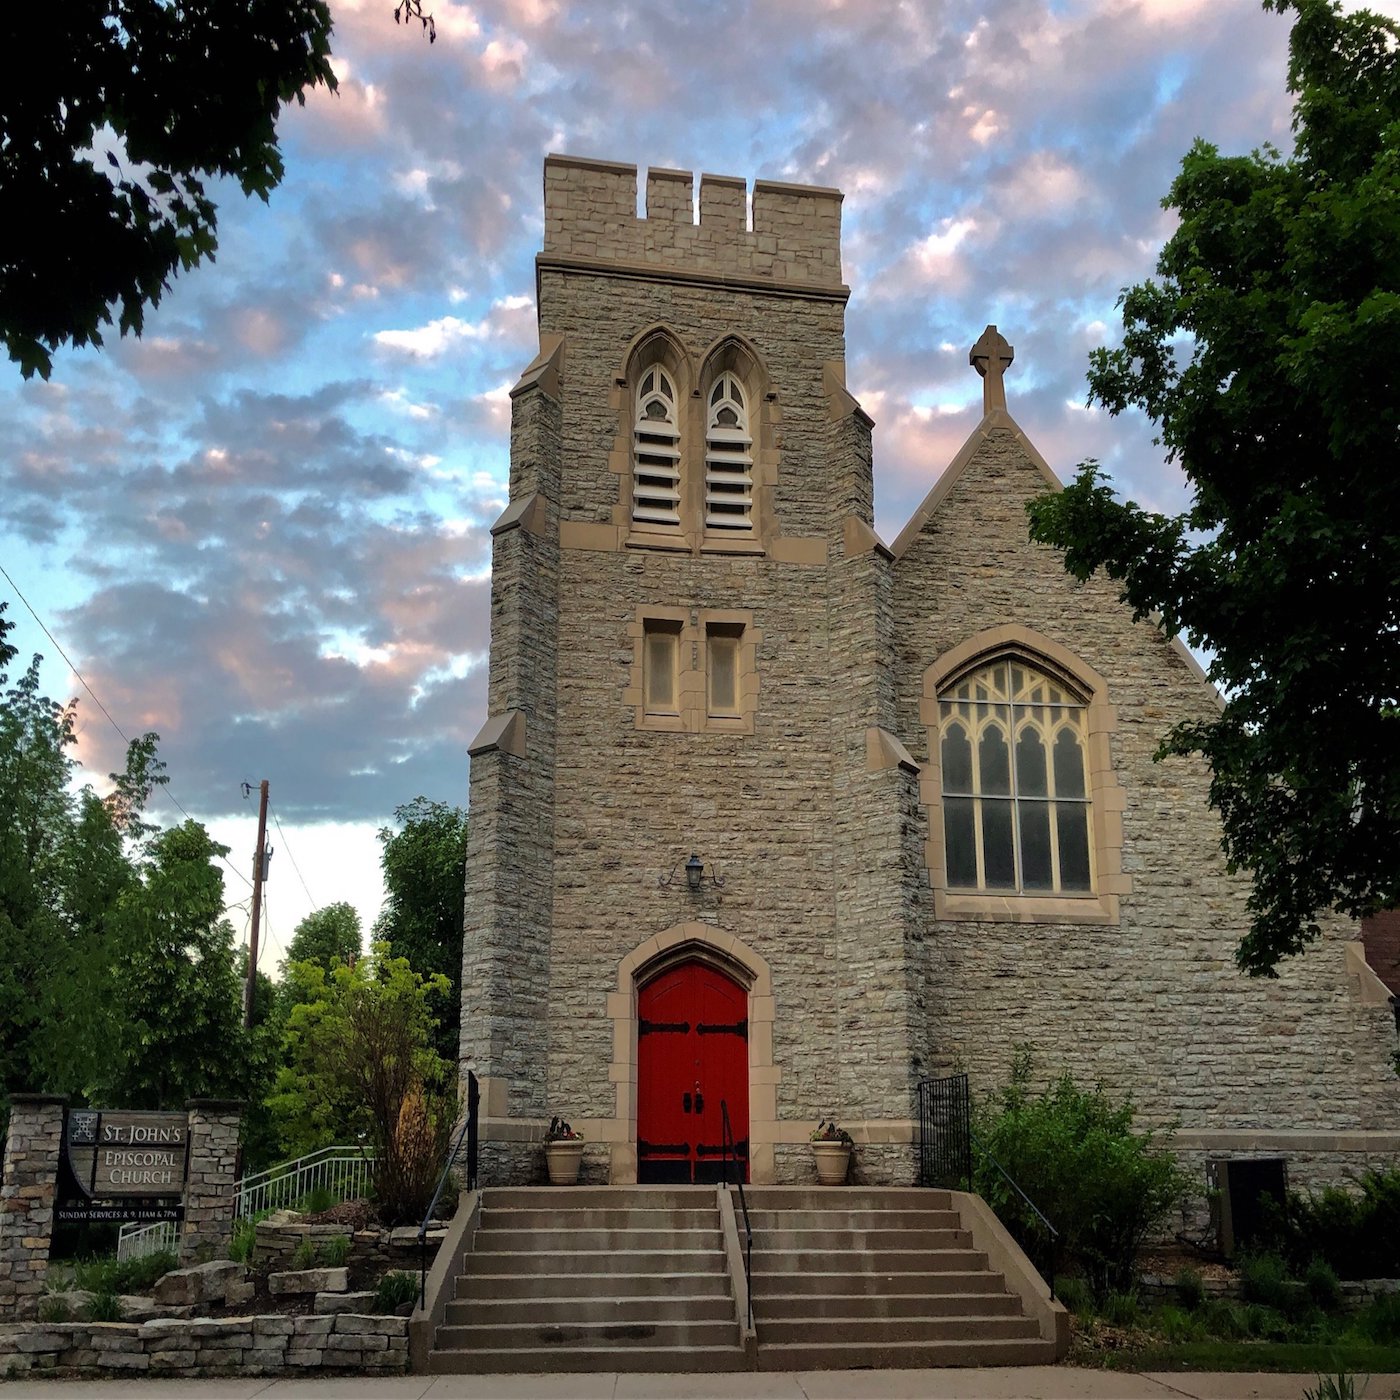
(692, 1056)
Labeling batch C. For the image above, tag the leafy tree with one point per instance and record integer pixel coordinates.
(359, 1059)
(325, 935)
(1102, 1185)
(126, 109)
(425, 872)
(1282, 283)
(178, 984)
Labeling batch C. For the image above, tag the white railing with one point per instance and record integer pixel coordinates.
(137, 1241)
(344, 1170)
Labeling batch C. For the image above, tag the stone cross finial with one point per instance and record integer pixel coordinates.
(991, 357)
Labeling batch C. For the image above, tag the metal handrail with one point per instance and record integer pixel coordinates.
(467, 1134)
(729, 1146)
(1051, 1233)
(341, 1165)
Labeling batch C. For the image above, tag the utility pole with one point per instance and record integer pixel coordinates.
(259, 875)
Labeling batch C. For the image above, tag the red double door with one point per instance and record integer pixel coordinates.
(692, 1057)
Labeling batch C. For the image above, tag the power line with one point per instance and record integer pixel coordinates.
(165, 786)
(287, 849)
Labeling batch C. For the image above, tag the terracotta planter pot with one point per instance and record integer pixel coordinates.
(833, 1161)
(563, 1160)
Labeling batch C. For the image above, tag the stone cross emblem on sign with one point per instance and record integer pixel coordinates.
(991, 357)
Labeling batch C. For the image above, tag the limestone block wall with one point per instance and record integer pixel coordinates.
(590, 214)
(27, 1195)
(1152, 1006)
(209, 1189)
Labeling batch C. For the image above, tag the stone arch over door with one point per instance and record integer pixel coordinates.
(694, 942)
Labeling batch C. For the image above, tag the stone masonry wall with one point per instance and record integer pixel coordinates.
(27, 1193)
(209, 1190)
(204, 1346)
(631, 804)
(1156, 1007)
(590, 212)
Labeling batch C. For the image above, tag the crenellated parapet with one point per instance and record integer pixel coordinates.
(590, 213)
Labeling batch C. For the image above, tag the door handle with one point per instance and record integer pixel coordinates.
(699, 1103)
(685, 1102)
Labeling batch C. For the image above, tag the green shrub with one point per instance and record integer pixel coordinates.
(1357, 1233)
(335, 1251)
(394, 1290)
(1102, 1186)
(111, 1275)
(1379, 1320)
(1266, 1324)
(243, 1241)
(1075, 1294)
(1322, 1285)
(1178, 1325)
(304, 1256)
(1190, 1288)
(104, 1307)
(1225, 1318)
(56, 1307)
(1122, 1309)
(316, 1200)
(1265, 1279)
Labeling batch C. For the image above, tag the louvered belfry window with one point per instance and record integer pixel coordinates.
(1015, 793)
(728, 458)
(656, 455)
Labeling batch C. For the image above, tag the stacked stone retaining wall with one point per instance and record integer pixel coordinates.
(208, 1346)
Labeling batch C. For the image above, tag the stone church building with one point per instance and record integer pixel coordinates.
(774, 819)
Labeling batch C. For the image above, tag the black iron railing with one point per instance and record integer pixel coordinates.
(731, 1154)
(946, 1141)
(469, 1135)
(945, 1133)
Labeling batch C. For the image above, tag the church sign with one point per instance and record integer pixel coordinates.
(125, 1164)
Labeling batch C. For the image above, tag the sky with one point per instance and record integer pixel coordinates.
(262, 530)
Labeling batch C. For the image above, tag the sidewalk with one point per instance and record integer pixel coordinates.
(991, 1383)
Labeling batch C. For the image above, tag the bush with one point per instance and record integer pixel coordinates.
(1190, 1288)
(335, 1251)
(104, 1307)
(1122, 1309)
(1225, 1318)
(394, 1290)
(1264, 1279)
(1103, 1186)
(1178, 1325)
(1322, 1285)
(1357, 1233)
(1379, 1320)
(304, 1256)
(1075, 1295)
(241, 1245)
(57, 1307)
(317, 1199)
(1266, 1324)
(112, 1275)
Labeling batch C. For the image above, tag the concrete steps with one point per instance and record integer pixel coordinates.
(637, 1279)
(593, 1279)
(865, 1277)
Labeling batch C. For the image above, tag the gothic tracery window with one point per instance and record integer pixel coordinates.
(1015, 794)
(728, 457)
(656, 455)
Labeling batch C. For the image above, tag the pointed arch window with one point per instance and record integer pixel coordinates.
(728, 457)
(656, 455)
(1016, 815)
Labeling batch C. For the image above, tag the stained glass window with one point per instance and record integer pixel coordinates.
(1015, 783)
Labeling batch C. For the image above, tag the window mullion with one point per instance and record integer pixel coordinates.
(1015, 786)
(978, 844)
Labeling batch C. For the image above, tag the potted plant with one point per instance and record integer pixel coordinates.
(831, 1146)
(563, 1152)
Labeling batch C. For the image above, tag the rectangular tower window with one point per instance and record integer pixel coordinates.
(661, 667)
(722, 643)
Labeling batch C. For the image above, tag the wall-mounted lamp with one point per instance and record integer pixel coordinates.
(695, 875)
